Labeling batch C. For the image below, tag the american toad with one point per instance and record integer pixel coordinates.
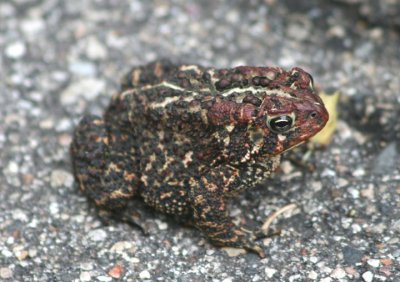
(186, 138)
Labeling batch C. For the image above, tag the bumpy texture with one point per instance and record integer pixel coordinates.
(185, 138)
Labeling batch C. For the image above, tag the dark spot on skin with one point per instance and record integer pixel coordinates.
(206, 77)
(223, 84)
(276, 103)
(185, 117)
(164, 92)
(236, 77)
(223, 72)
(251, 99)
(291, 79)
(207, 104)
(264, 81)
(261, 81)
(256, 80)
(155, 115)
(291, 137)
(181, 74)
(269, 144)
(185, 83)
(181, 104)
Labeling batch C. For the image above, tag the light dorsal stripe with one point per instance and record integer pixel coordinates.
(256, 91)
(235, 91)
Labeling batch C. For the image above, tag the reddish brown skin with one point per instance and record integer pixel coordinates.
(186, 138)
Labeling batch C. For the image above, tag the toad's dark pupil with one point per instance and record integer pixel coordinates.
(281, 124)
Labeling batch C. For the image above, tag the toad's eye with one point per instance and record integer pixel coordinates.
(280, 124)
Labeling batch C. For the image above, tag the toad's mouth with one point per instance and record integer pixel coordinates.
(294, 146)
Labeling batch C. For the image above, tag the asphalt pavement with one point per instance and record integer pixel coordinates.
(62, 59)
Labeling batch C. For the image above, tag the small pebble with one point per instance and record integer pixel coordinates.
(5, 273)
(295, 277)
(21, 255)
(396, 226)
(32, 27)
(12, 167)
(356, 228)
(368, 193)
(342, 182)
(299, 31)
(63, 125)
(354, 193)
(6, 9)
(103, 278)
(119, 247)
(86, 266)
(234, 252)
(351, 271)
(161, 224)
(95, 49)
(270, 272)
(286, 167)
(116, 272)
(88, 88)
(54, 208)
(374, 262)
(20, 215)
(97, 235)
(60, 178)
(359, 172)
(367, 276)
(144, 275)
(313, 259)
(46, 124)
(328, 173)
(312, 275)
(338, 273)
(210, 252)
(386, 261)
(65, 140)
(85, 276)
(82, 68)
(15, 50)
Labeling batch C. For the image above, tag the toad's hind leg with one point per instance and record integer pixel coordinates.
(103, 161)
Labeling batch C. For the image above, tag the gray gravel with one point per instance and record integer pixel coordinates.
(61, 59)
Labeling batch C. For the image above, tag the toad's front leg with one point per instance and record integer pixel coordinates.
(210, 213)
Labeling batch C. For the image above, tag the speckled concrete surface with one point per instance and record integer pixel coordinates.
(60, 59)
